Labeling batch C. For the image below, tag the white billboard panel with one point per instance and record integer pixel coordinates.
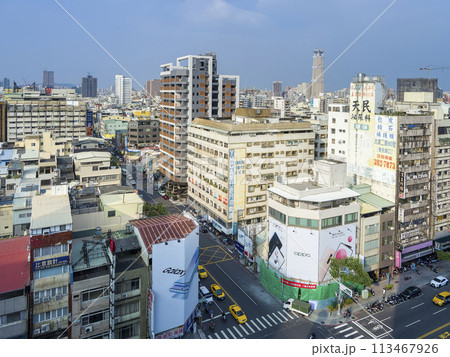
(174, 281)
(277, 245)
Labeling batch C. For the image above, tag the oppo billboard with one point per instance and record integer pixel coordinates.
(174, 281)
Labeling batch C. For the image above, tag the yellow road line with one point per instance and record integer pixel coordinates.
(436, 329)
(213, 255)
(220, 261)
(226, 293)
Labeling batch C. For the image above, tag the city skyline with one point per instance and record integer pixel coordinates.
(239, 34)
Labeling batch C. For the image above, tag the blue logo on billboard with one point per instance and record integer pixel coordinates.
(50, 263)
(183, 285)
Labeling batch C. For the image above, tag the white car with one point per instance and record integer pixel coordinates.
(162, 193)
(439, 281)
(133, 182)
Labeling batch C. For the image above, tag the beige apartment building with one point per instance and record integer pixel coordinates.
(231, 165)
(95, 167)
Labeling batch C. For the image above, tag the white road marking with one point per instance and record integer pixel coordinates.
(231, 333)
(236, 284)
(387, 318)
(437, 312)
(238, 332)
(230, 251)
(274, 314)
(242, 327)
(347, 329)
(340, 326)
(361, 336)
(282, 316)
(209, 336)
(255, 325)
(271, 319)
(217, 335)
(267, 322)
(418, 305)
(251, 329)
(225, 335)
(288, 314)
(412, 323)
(351, 333)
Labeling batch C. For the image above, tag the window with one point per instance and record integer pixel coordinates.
(126, 286)
(373, 244)
(303, 222)
(351, 217)
(127, 331)
(51, 272)
(94, 294)
(371, 260)
(62, 227)
(50, 315)
(62, 290)
(385, 256)
(95, 317)
(386, 241)
(331, 222)
(387, 225)
(111, 213)
(277, 215)
(372, 229)
(13, 317)
(127, 309)
(55, 249)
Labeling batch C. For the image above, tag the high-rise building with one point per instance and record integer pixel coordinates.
(2, 122)
(416, 85)
(123, 89)
(6, 83)
(48, 79)
(317, 83)
(190, 90)
(277, 88)
(152, 88)
(89, 87)
(338, 115)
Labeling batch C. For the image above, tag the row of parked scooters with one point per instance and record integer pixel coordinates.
(376, 306)
(394, 299)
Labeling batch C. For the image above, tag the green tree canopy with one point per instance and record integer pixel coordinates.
(349, 270)
(154, 210)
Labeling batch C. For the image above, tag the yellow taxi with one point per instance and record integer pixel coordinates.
(237, 313)
(442, 298)
(217, 291)
(202, 272)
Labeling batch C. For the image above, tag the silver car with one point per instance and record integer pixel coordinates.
(439, 281)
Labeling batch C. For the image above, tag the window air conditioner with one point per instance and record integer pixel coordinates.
(125, 295)
(46, 299)
(45, 328)
(58, 297)
(88, 329)
(37, 331)
(37, 301)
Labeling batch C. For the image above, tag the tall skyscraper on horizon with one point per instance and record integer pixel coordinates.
(277, 88)
(123, 89)
(89, 87)
(152, 88)
(317, 82)
(48, 79)
(190, 89)
(6, 83)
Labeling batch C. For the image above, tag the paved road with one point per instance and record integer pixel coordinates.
(414, 318)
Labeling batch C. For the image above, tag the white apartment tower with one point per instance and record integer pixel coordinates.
(123, 89)
(338, 133)
(190, 88)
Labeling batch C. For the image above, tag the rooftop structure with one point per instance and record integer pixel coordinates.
(14, 263)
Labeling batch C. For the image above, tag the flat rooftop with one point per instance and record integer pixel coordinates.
(232, 126)
(14, 265)
(49, 211)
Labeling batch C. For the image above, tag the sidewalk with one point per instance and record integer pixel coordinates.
(323, 316)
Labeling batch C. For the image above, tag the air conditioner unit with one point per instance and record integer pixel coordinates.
(58, 297)
(37, 331)
(88, 329)
(406, 165)
(37, 301)
(45, 328)
(117, 320)
(415, 176)
(46, 299)
(424, 223)
(418, 164)
(125, 295)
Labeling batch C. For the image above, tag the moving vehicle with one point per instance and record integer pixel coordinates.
(302, 307)
(133, 182)
(202, 272)
(411, 292)
(206, 294)
(203, 230)
(439, 281)
(217, 291)
(442, 298)
(238, 314)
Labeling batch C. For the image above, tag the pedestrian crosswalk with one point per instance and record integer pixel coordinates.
(347, 331)
(255, 325)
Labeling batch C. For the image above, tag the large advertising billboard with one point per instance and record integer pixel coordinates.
(175, 281)
(305, 254)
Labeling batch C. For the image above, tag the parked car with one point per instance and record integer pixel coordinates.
(411, 292)
(439, 281)
(442, 298)
(202, 272)
(206, 294)
(217, 291)
(133, 182)
(161, 192)
(203, 230)
(165, 197)
(238, 314)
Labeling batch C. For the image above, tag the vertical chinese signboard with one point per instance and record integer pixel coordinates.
(401, 185)
(385, 149)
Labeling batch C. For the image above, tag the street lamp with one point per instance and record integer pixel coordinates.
(341, 270)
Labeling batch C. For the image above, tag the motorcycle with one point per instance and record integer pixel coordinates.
(211, 326)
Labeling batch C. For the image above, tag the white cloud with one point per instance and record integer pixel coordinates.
(207, 11)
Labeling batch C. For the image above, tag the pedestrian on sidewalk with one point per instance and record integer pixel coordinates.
(384, 292)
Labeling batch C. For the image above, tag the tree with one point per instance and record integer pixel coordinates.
(154, 210)
(349, 270)
(443, 255)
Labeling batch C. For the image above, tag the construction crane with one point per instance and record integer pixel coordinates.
(432, 68)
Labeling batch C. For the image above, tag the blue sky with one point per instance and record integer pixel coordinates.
(260, 40)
